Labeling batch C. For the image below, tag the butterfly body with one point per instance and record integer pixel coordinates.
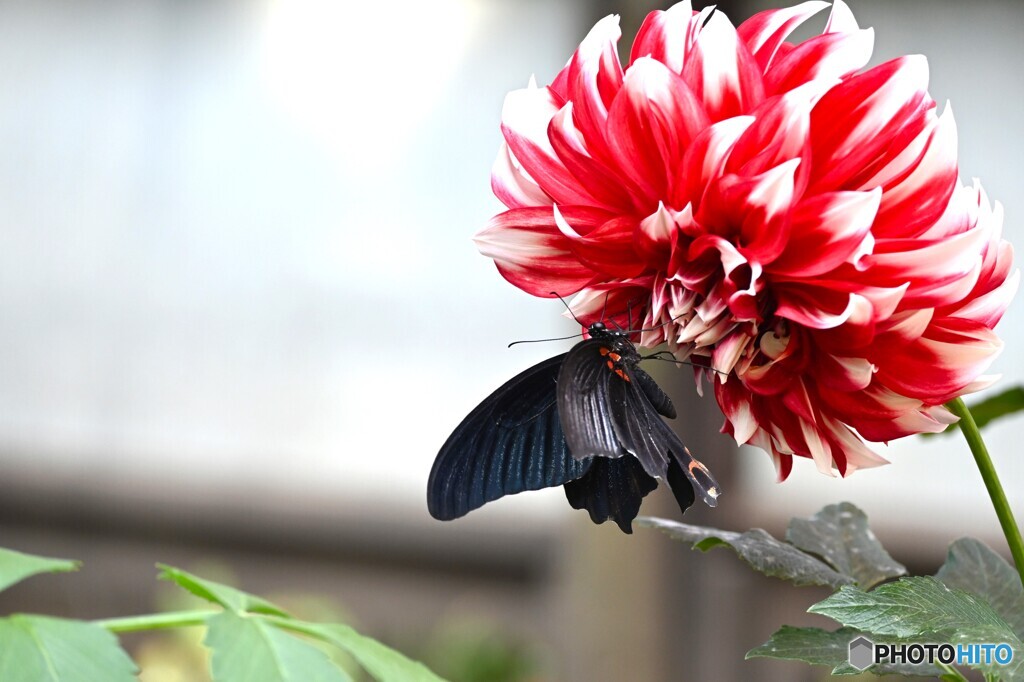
(589, 420)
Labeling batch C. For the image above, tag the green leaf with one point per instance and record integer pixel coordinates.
(915, 607)
(15, 566)
(839, 534)
(1009, 401)
(759, 549)
(822, 647)
(278, 651)
(44, 649)
(972, 567)
(229, 597)
(911, 607)
(1000, 405)
(251, 649)
(382, 662)
(810, 645)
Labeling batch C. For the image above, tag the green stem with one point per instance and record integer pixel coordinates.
(950, 674)
(155, 621)
(296, 626)
(995, 488)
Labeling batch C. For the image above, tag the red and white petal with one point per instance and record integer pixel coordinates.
(722, 72)
(842, 373)
(606, 248)
(826, 231)
(926, 264)
(655, 236)
(665, 36)
(734, 400)
(988, 308)
(764, 32)
(857, 454)
(949, 355)
(533, 254)
(814, 307)
(820, 449)
(754, 212)
(822, 61)
(856, 125)
(779, 134)
(729, 351)
(512, 185)
(917, 195)
(594, 78)
(651, 124)
(705, 160)
(841, 19)
(620, 303)
(524, 123)
(610, 189)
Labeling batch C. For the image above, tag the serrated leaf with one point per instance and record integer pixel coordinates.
(759, 549)
(990, 409)
(810, 645)
(973, 567)
(831, 648)
(919, 606)
(839, 534)
(45, 649)
(229, 597)
(251, 649)
(382, 662)
(16, 566)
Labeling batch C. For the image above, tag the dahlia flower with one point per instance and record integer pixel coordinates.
(787, 219)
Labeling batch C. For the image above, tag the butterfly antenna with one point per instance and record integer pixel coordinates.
(560, 338)
(673, 360)
(556, 295)
(657, 326)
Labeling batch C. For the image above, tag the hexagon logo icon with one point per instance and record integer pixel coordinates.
(862, 653)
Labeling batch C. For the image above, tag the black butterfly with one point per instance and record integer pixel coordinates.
(587, 419)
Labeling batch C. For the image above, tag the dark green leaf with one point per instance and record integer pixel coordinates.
(972, 567)
(910, 607)
(44, 649)
(923, 606)
(229, 597)
(839, 534)
(990, 409)
(822, 647)
(1009, 401)
(383, 663)
(15, 566)
(810, 645)
(250, 649)
(759, 549)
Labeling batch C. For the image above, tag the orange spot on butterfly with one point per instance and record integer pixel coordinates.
(603, 351)
(615, 356)
(611, 365)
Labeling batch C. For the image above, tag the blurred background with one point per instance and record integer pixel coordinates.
(240, 311)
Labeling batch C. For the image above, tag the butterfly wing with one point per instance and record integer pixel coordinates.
(645, 434)
(659, 399)
(584, 402)
(510, 443)
(611, 489)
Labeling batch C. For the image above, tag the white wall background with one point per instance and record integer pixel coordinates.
(236, 248)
